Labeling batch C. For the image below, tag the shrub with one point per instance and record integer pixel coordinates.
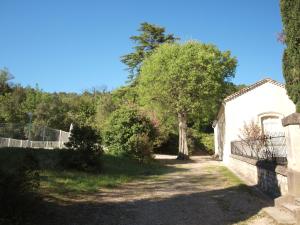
(84, 150)
(19, 181)
(207, 141)
(129, 133)
(200, 141)
(169, 146)
(84, 138)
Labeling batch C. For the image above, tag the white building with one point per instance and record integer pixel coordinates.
(265, 102)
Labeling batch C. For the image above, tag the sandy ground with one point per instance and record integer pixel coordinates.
(196, 193)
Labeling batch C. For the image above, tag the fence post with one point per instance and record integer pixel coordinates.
(59, 141)
(8, 144)
(44, 131)
(21, 143)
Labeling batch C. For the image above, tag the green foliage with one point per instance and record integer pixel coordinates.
(169, 145)
(186, 78)
(51, 112)
(151, 36)
(199, 141)
(84, 138)
(129, 133)
(86, 142)
(5, 77)
(10, 110)
(19, 181)
(105, 107)
(290, 12)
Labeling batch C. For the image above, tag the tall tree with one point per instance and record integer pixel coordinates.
(185, 78)
(150, 37)
(290, 12)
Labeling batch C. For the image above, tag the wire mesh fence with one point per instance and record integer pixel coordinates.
(33, 136)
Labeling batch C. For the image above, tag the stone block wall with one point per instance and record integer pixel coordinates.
(270, 179)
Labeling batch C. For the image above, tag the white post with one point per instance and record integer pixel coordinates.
(59, 141)
(21, 143)
(44, 131)
(8, 144)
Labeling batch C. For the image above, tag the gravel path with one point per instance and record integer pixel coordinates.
(198, 193)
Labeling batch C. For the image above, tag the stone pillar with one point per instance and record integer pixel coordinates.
(292, 132)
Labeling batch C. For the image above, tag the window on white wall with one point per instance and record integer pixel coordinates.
(271, 125)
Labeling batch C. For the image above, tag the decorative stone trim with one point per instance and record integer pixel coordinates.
(293, 119)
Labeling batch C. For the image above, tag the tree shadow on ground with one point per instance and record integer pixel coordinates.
(216, 207)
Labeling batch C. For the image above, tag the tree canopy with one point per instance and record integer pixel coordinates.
(150, 37)
(5, 77)
(186, 78)
(290, 12)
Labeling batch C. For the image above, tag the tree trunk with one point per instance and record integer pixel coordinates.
(183, 146)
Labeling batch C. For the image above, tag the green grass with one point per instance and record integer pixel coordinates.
(56, 180)
(230, 177)
(116, 171)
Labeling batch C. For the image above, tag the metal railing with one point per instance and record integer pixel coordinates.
(266, 148)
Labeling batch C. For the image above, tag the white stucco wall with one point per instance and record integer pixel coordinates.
(265, 99)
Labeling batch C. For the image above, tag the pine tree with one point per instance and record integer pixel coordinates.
(151, 36)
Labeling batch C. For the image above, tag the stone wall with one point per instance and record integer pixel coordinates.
(269, 178)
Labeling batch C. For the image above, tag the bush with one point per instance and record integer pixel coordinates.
(129, 133)
(200, 141)
(207, 141)
(84, 138)
(84, 150)
(19, 181)
(169, 146)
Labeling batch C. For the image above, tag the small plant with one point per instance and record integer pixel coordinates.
(253, 136)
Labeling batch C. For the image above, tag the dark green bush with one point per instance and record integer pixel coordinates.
(19, 181)
(170, 146)
(84, 150)
(129, 133)
(84, 138)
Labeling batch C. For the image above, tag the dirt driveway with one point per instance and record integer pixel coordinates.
(199, 192)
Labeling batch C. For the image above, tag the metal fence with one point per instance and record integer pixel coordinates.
(266, 148)
(32, 136)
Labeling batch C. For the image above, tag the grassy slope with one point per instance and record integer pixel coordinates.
(116, 170)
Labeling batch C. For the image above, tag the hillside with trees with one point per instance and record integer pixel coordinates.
(167, 79)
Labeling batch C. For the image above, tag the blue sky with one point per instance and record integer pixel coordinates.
(75, 45)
